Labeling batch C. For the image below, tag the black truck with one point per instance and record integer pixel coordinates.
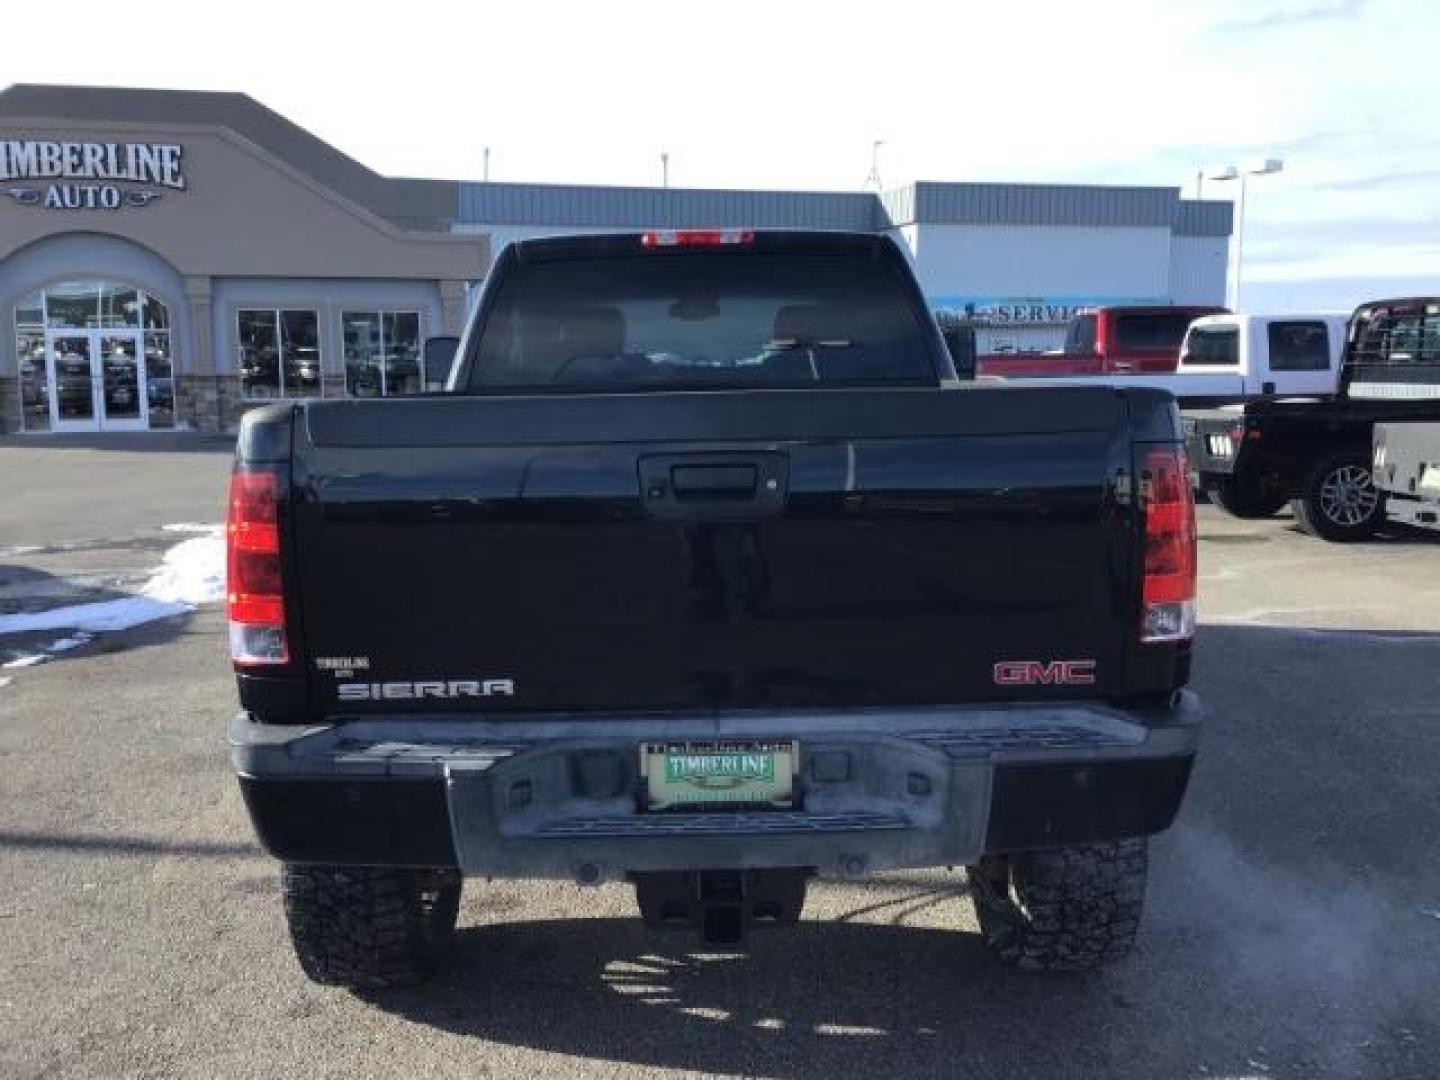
(706, 574)
(1316, 454)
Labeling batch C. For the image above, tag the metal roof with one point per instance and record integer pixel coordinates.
(1060, 205)
(641, 207)
(1043, 204)
(1203, 218)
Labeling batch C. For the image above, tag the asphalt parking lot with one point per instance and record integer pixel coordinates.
(1292, 929)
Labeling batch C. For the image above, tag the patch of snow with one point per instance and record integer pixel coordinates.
(98, 618)
(29, 660)
(24, 549)
(67, 643)
(193, 571)
(6, 681)
(189, 527)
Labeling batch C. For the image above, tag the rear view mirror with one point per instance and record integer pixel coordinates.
(439, 355)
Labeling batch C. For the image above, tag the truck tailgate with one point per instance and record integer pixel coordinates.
(710, 549)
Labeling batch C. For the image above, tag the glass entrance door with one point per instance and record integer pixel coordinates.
(98, 378)
(72, 402)
(121, 360)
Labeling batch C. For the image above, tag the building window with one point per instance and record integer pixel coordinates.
(279, 353)
(89, 352)
(30, 355)
(382, 353)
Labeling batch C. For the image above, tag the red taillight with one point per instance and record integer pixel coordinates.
(1169, 508)
(697, 237)
(255, 598)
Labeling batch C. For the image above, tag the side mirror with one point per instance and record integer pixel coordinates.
(439, 353)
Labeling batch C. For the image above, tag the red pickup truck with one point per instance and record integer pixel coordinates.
(1106, 341)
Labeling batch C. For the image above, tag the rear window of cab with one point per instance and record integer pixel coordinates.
(702, 319)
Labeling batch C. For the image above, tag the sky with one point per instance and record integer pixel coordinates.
(793, 95)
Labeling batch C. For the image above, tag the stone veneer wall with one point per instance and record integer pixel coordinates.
(10, 419)
(214, 402)
(210, 403)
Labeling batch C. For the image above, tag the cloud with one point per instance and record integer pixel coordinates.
(1286, 17)
(1318, 234)
(1382, 180)
(1340, 293)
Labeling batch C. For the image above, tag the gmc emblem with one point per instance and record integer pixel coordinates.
(1039, 673)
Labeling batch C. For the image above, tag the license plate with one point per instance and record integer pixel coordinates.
(720, 773)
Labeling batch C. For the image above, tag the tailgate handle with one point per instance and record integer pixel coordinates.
(713, 481)
(714, 487)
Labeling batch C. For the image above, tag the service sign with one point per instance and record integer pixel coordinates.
(88, 175)
(1026, 310)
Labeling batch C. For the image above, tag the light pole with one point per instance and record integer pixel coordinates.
(873, 179)
(1261, 167)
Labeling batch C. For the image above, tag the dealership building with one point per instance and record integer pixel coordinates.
(169, 258)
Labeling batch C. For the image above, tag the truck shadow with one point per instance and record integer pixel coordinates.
(823, 999)
(1289, 927)
(1391, 535)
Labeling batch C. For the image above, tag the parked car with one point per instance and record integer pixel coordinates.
(711, 597)
(1108, 341)
(1316, 454)
(1407, 472)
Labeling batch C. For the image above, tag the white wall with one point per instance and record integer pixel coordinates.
(1025, 261)
(1198, 266)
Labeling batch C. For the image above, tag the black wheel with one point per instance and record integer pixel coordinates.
(1248, 501)
(369, 927)
(1338, 501)
(1070, 909)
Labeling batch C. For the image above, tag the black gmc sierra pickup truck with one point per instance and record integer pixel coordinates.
(706, 574)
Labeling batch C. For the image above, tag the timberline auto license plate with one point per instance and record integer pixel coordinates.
(731, 772)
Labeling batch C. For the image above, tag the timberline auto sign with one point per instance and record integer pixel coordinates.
(103, 167)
